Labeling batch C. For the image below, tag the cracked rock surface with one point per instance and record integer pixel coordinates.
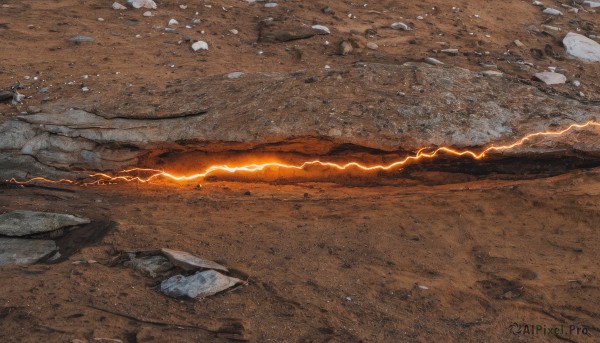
(379, 106)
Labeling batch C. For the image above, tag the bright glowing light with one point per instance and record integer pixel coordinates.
(131, 175)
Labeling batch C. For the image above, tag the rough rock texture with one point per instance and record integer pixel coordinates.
(386, 107)
(188, 261)
(201, 284)
(581, 47)
(151, 265)
(25, 223)
(24, 251)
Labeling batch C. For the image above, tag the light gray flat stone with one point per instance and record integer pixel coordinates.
(188, 261)
(24, 251)
(24, 223)
(551, 78)
(201, 284)
(581, 47)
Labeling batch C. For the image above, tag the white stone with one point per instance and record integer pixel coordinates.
(270, 4)
(549, 27)
(200, 45)
(492, 73)
(173, 22)
(551, 78)
(581, 47)
(234, 31)
(148, 14)
(235, 75)
(433, 61)
(150, 4)
(537, 3)
(321, 28)
(400, 26)
(118, 6)
(592, 4)
(552, 11)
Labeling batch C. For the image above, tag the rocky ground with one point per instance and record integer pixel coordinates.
(447, 250)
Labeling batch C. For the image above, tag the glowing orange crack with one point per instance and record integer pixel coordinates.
(103, 178)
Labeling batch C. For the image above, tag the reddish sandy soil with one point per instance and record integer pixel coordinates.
(339, 264)
(323, 262)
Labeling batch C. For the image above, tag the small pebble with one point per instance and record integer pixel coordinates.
(433, 61)
(200, 45)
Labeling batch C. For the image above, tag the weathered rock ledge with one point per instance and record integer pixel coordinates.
(385, 107)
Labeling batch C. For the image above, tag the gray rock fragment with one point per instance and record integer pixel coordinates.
(199, 285)
(581, 47)
(551, 78)
(433, 61)
(150, 4)
(25, 251)
(188, 261)
(81, 39)
(24, 223)
(151, 265)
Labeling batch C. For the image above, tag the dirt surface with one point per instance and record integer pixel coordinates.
(322, 262)
(457, 254)
(37, 52)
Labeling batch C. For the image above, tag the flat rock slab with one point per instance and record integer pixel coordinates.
(551, 78)
(188, 261)
(152, 265)
(25, 223)
(581, 47)
(24, 251)
(201, 284)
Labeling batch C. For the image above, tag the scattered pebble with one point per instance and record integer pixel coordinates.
(235, 75)
(552, 28)
(433, 61)
(150, 4)
(321, 28)
(200, 45)
(519, 44)
(173, 22)
(450, 51)
(148, 14)
(552, 11)
(400, 26)
(81, 39)
(270, 4)
(491, 73)
(234, 31)
(118, 6)
(551, 78)
(372, 46)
